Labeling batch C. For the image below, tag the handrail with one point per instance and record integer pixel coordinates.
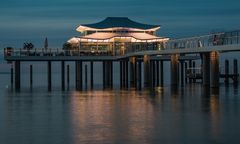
(183, 43)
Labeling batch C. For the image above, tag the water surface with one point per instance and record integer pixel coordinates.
(187, 115)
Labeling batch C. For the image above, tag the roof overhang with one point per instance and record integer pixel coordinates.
(113, 37)
(82, 29)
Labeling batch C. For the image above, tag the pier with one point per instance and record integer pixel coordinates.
(140, 56)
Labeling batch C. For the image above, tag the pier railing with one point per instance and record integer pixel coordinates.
(216, 39)
(52, 52)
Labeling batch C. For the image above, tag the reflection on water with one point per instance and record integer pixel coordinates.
(192, 114)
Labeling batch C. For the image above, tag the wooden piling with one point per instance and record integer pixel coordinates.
(206, 68)
(104, 74)
(157, 72)
(153, 74)
(226, 71)
(68, 76)
(214, 73)
(235, 71)
(31, 76)
(63, 75)
(86, 77)
(161, 74)
(79, 75)
(121, 74)
(186, 72)
(17, 75)
(126, 73)
(91, 74)
(182, 72)
(193, 70)
(190, 69)
(111, 74)
(49, 75)
(174, 69)
(139, 75)
(11, 76)
(146, 62)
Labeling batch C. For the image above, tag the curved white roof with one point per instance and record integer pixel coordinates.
(111, 23)
(109, 37)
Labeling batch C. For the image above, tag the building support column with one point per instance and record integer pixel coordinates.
(11, 76)
(49, 76)
(86, 76)
(214, 56)
(126, 73)
(104, 74)
(235, 71)
(157, 64)
(139, 77)
(153, 73)
(133, 74)
(17, 75)
(121, 74)
(190, 70)
(186, 72)
(91, 74)
(226, 71)
(79, 79)
(161, 74)
(194, 70)
(68, 76)
(146, 62)
(63, 75)
(182, 72)
(206, 69)
(174, 70)
(132, 60)
(111, 74)
(107, 74)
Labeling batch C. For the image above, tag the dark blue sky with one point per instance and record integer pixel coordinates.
(30, 20)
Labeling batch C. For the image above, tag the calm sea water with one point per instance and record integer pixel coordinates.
(188, 115)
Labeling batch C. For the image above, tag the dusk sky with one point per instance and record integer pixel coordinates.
(32, 21)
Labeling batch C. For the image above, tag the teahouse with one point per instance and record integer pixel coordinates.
(117, 36)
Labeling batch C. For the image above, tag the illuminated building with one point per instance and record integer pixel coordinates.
(117, 36)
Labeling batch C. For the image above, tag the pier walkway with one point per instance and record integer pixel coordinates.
(177, 51)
